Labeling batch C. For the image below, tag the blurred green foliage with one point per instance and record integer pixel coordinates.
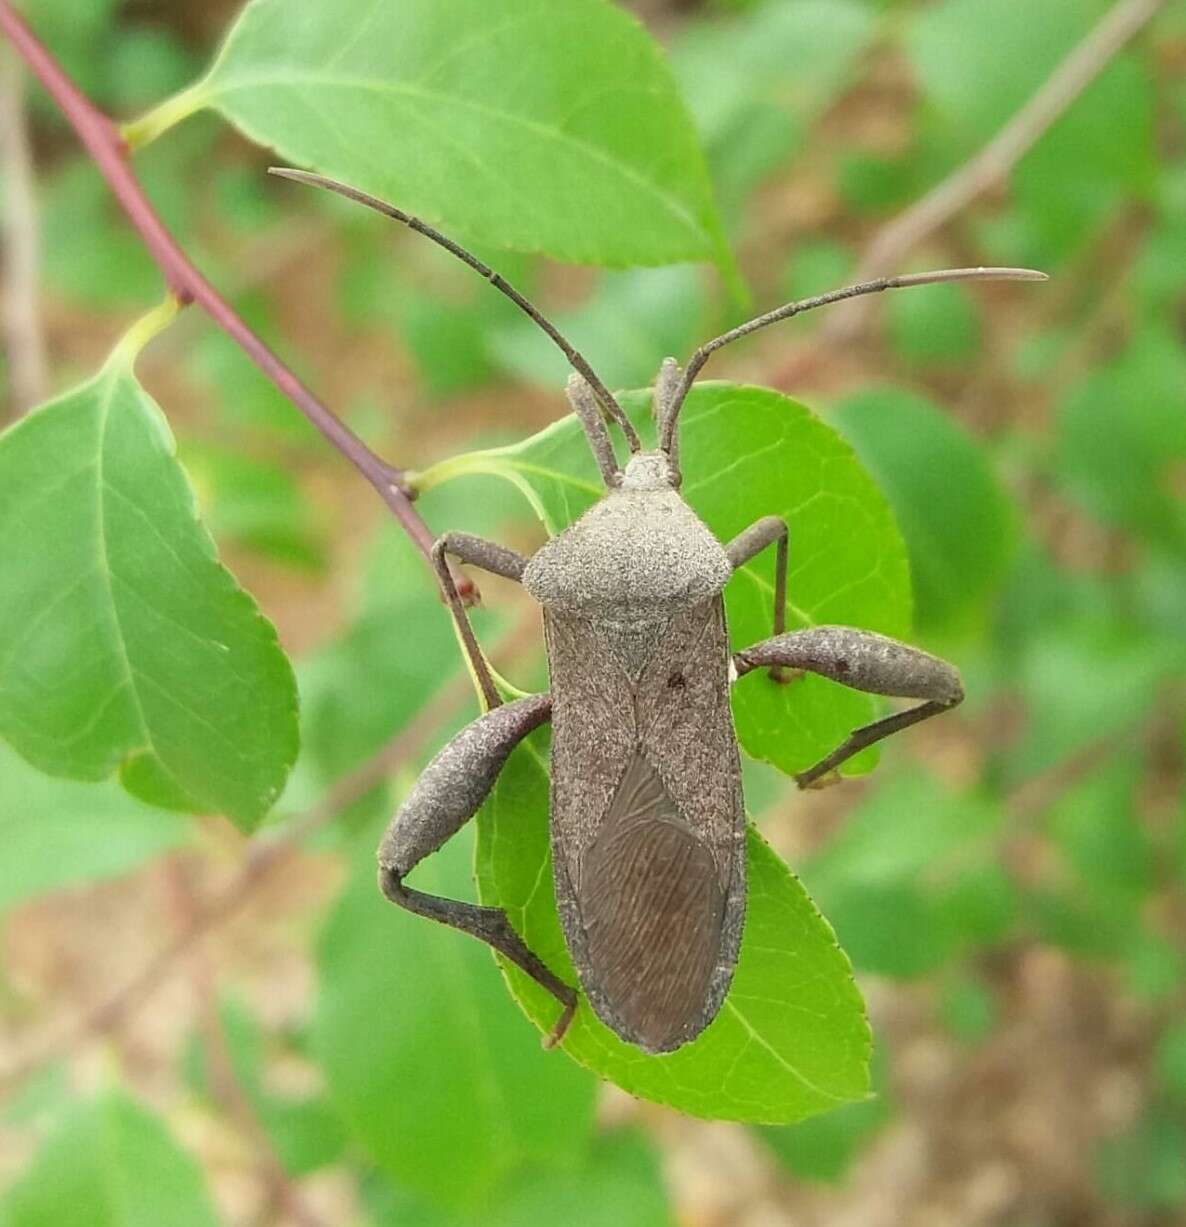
(1023, 454)
(111, 1163)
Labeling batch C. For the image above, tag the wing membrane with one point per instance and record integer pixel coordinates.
(652, 908)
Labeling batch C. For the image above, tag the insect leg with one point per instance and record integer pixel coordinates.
(447, 794)
(864, 661)
(492, 557)
(753, 541)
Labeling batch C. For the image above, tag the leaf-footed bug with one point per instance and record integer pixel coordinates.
(647, 814)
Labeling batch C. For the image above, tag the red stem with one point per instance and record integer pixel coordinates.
(106, 147)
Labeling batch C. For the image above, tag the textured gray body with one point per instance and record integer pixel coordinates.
(457, 781)
(879, 665)
(648, 825)
(647, 815)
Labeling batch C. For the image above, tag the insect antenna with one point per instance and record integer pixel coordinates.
(604, 397)
(588, 412)
(702, 355)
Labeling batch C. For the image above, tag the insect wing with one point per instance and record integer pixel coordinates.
(653, 908)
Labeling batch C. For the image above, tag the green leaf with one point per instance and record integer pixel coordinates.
(1155, 288)
(960, 527)
(1088, 926)
(979, 61)
(256, 503)
(1154, 966)
(938, 327)
(1178, 845)
(632, 317)
(815, 267)
(869, 183)
(110, 1164)
(824, 1148)
(76, 33)
(531, 124)
(125, 643)
(887, 878)
(40, 1096)
(362, 687)
(1171, 1060)
(306, 1133)
(1096, 827)
(446, 318)
(979, 903)
(756, 84)
(449, 343)
(1144, 1169)
(1082, 680)
(617, 1183)
(1125, 466)
(909, 826)
(435, 1073)
(746, 453)
(791, 1038)
(890, 928)
(967, 1008)
(1100, 157)
(58, 833)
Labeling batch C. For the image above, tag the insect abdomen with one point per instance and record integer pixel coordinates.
(651, 905)
(648, 822)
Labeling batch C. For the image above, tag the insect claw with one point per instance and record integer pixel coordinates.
(559, 1031)
(806, 782)
(782, 675)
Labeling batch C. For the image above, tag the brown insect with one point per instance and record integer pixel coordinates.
(647, 813)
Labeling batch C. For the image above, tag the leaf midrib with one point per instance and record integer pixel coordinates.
(675, 207)
(105, 572)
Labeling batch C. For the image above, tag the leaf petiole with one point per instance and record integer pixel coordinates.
(148, 326)
(168, 114)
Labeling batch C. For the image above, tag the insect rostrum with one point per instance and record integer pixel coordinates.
(647, 814)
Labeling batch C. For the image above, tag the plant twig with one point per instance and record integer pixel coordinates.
(992, 165)
(264, 858)
(24, 338)
(103, 142)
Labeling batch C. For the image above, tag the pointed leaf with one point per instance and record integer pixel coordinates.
(791, 1039)
(959, 525)
(539, 125)
(123, 642)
